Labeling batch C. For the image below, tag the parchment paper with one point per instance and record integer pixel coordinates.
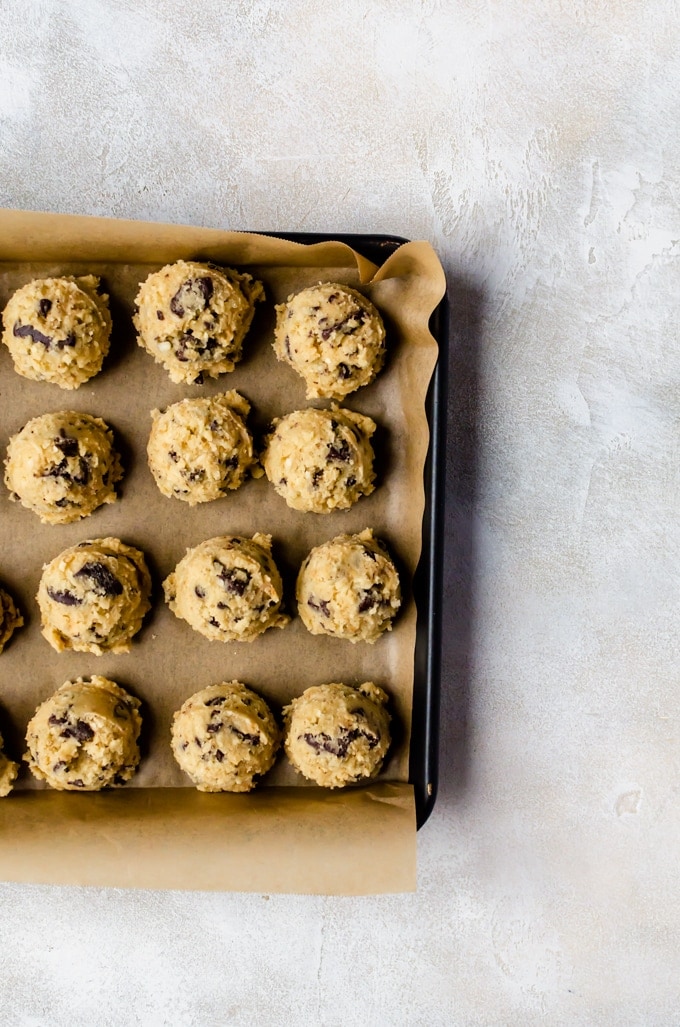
(168, 660)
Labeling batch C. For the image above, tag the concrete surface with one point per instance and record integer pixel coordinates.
(536, 145)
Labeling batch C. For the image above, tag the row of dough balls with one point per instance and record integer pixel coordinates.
(63, 466)
(93, 596)
(224, 737)
(192, 318)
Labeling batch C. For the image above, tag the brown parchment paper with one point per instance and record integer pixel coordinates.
(158, 831)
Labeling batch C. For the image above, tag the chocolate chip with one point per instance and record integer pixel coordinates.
(232, 463)
(194, 293)
(373, 597)
(61, 503)
(29, 332)
(79, 783)
(214, 622)
(320, 605)
(104, 582)
(44, 307)
(214, 728)
(82, 732)
(341, 453)
(316, 478)
(160, 315)
(351, 481)
(344, 371)
(339, 746)
(59, 765)
(219, 755)
(200, 592)
(55, 721)
(215, 701)
(64, 597)
(66, 444)
(70, 340)
(173, 456)
(244, 736)
(234, 579)
(344, 326)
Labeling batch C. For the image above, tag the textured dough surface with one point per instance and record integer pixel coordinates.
(228, 588)
(10, 618)
(320, 460)
(84, 737)
(349, 588)
(332, 336)
(225, 738)
(63, 466)
(337, 735)
(58, 330)
(200, 448)
(8, 772)
(192, 318)
(93, 597)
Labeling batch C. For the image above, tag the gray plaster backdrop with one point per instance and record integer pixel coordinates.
(535, 144)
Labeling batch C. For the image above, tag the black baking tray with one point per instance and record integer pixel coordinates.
(428, 579)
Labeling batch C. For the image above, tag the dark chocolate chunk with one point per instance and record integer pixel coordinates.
(244, 736)
(82, 732)
(29, 332)
(194, 293)
(104, 582)
(200, 592)
(214, 622)
(341, 453)
(320, 605)
(344, 371)
(234, 579)
(66, 444)
(64, 597)
(173, 456)
(160, 315)
(339, 746)
(217, 700)
(344, 326)
(372, 597)
(219, 755)
(70, 340)
(316, 478)
(214, 728)
(79, 783)
(55, 721)
(44, 307)
(351, 481)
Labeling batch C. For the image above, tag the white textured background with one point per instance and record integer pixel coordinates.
(536, 144)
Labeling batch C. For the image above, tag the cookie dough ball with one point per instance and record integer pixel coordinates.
(336, 735)
(228, 589)
(58, 329)
(192, 318)
(333, 337)
(84, 737)
(225, 738)
(93, 597)
(200, 448)
(320, 460)
(62, 466)
(349, 588)
(8, 772)
(10, 618)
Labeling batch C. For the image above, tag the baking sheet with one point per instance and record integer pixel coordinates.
(168, 660)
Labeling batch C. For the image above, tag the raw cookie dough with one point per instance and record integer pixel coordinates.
(8, 772)
(200, 448)
(336, 735)
(192, 318)
(84, 737)
(333, 337)
(57, 330)
(225, 738)
(62, 466)
(93, 597)
(10, 618)
(320, 460)
(349, 588)
(228, 588)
